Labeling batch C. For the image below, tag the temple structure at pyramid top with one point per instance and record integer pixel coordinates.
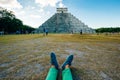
(64, 22)
(62, 10)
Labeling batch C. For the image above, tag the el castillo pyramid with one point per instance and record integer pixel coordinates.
(64, 22)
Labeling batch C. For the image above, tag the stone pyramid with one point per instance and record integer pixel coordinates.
(64, 22)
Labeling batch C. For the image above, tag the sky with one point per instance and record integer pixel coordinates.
(94, 13)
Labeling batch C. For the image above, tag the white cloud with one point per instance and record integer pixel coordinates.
(40, 10)
(9, 4)
(35, 16)
(45, 3)
(61, 4)
(32, 7)
(21, 12)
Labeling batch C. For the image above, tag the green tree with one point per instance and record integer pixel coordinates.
(10, 24)
(102, 30)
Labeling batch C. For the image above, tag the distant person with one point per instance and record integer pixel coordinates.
(81, 32)
(46, 32)
(53, 71)
(1, 32)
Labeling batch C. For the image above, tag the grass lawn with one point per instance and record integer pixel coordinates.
(27, 57)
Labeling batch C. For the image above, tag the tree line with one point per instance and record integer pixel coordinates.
(9, 24)
(109, 30)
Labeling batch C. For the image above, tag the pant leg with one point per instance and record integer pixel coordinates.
(52, 74)
(66, 74)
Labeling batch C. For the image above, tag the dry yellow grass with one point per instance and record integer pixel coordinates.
(14, 38)
(96, 57)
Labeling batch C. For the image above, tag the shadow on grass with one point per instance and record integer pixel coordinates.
(77, 73)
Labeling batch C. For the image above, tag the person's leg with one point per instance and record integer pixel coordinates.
(66, 73)
(52, 74)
